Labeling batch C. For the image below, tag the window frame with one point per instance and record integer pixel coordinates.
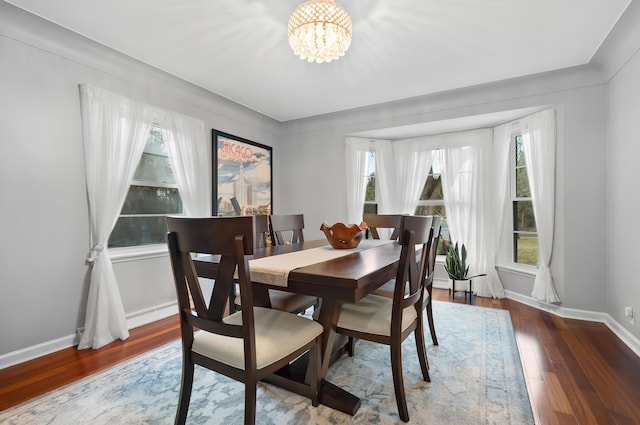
(136, 252)
(513, 198)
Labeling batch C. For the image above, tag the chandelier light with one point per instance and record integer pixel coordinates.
(319, 31)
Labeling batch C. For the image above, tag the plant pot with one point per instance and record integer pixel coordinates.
(461, 285)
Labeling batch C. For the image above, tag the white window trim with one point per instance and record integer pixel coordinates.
(139, 252)
(142, 252)
(507, 262)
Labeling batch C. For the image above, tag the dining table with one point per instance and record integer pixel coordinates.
(315, 268)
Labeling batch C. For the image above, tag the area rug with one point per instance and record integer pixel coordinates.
(476, 378)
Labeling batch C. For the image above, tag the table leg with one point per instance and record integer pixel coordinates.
(330, 394)
(328, 318)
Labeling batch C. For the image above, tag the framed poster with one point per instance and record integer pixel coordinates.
(242, 176)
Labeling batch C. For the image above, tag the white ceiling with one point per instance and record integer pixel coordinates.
(401, 48)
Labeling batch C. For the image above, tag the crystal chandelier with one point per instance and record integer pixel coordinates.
(319, 31)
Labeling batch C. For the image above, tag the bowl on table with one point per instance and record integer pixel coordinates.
(342, 236)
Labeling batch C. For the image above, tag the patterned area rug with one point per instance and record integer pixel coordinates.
(476, 378)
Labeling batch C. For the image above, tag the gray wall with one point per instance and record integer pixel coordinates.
(620, 58)
(579, 96)
(44, 212)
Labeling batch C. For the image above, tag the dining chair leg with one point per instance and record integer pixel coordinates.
(422, 352)
(250, 392)
(351, 346)
(398, 381)
(432, 327)
(185, 391)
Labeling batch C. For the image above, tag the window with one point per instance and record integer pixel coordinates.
(370, 202)
(525, 236)
(152, 196)
(432, 201)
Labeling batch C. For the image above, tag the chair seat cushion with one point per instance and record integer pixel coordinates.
(372, 315)
(277, 334)
(286, 301)
(387, 289)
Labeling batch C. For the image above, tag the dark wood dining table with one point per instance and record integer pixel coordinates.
(344, 279)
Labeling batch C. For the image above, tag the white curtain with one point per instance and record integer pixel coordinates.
(413, 160)
(465, 185)
(539, 141)
(357, 163)
(385, 176)
(458, 184)
(115, 130)
(186, 141)
(495, 166)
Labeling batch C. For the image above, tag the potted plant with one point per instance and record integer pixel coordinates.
(455, 264)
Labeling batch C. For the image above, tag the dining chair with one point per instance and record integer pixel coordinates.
(248, 345)
(382, 221)
(387, 289)
(390, 321)
(283, 224)
(263, 232)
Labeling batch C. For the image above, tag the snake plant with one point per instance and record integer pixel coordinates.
(455, 262)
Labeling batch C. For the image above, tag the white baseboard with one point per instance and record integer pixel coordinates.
(570, 313)
(38, 350)
(134, 320)
(153, 314)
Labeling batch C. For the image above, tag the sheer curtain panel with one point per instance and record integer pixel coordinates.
(357, 164)
(539, 140)
(413, 160)
(496, 198)
(115, 130)
(385, 176)
(467, 190)
(186, 140)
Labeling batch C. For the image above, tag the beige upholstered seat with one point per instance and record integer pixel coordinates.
(276, 334)
(249, 345)
(377, 310)
(391, 320)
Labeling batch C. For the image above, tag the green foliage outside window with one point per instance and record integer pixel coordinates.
(525, 237)
(152, 196)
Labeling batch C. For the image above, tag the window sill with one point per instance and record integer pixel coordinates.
(526, 271)
(135, 253)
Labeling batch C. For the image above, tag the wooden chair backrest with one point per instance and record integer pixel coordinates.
(263, 233)
(431, 266)
(383, 221)
(233, 239)
(293, 223)
(415, 230)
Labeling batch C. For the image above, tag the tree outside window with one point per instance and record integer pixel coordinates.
(432, 202)
(370, 198)
(152, 196)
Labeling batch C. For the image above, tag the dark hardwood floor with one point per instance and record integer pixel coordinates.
(577, 372)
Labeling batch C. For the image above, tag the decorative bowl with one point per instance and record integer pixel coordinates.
(341, 236)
